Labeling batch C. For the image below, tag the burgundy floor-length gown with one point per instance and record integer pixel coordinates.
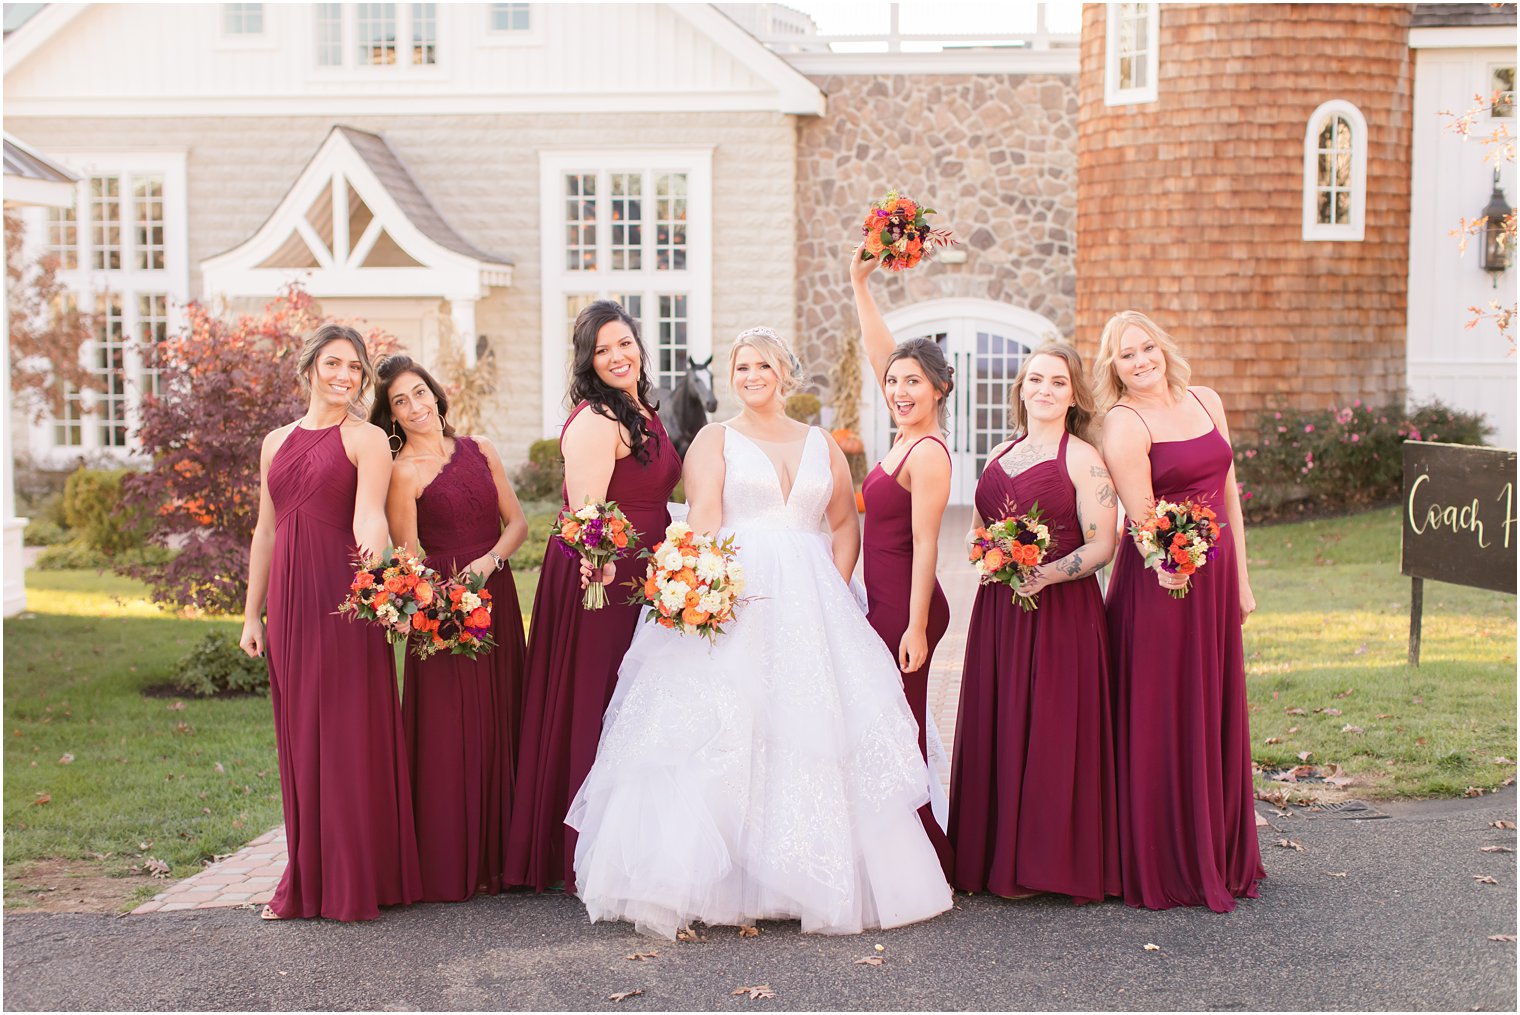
(343, 778)
(462, 715)
(571, 670)
(887, 562)
(1187, 823)
(1032, 788)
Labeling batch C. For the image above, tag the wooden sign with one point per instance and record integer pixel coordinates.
(1459, 521)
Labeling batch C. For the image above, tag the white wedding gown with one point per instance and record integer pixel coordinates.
(776, 773)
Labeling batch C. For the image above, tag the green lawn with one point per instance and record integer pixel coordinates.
(1331, 633)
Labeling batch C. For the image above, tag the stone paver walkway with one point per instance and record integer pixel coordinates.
(251, 874)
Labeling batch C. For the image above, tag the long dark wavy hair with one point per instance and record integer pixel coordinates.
(586, 386)
(937, 370)
(380, 413)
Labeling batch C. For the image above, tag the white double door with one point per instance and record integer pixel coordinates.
(986, 347)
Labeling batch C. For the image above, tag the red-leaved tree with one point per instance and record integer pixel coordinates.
(46, 328)
(224, 384)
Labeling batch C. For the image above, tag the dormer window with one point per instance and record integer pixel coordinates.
(376, 35)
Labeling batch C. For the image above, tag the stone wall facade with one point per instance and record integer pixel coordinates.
(481, 171)
(1191, 207)
(995, 155)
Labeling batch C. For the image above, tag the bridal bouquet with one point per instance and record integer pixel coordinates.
(897, 231)
(693, 584)
(390, 589)
(1007, 552)
(457, 621)
(600, 533)
(1180, 537)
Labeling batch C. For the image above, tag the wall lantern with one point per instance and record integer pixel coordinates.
(1494, 255)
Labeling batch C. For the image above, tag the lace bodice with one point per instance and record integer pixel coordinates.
(752, 489)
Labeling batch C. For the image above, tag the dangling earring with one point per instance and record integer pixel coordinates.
(443, 424)
(395, 440)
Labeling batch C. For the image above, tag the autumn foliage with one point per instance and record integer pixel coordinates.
(46, 328)
(225, 382)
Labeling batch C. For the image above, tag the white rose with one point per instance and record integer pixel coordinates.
(736, 574)
(586, 513)
(669, 558)
(469, 601)
(677, 531)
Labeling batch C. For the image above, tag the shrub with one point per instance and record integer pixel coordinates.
(541, 515)
(93, 508)
(216, 665)
(44, 532)
(1340, 459)
(76, 555)
(543, 474)
(803, 407)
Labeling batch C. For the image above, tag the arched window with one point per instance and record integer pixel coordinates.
(1335, 172)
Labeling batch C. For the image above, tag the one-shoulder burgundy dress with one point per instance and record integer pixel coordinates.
(343, 775)
(1032, 805)
(1187, 821)
(571, 670)
(462, 714)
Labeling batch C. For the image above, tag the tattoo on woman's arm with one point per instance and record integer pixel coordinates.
(1106, 495)
(1071, 566)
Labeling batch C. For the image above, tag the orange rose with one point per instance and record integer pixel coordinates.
(395, 584)
(1031, 554)
(479, 617)
(456, 594)
(1186, 567)
(1180, 555)
(994, 560)
(424, 593)
(619, 540)
(976, 551)
(570, 529)
(363, 580)
(1179, 539)
(688, 576)
(410, 580)
(617, 525)
(1214, 531)
(1163, 522)
(665, 622)
(693, 616)
(380, 598)
(651, 588)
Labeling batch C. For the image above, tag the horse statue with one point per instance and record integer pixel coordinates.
(684, 408)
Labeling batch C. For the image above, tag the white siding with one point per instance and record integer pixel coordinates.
(1468, 368)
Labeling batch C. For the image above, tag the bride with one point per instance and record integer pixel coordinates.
(776, 773)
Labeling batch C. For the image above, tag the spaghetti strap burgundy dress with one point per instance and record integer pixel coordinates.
(1032, 806)
(343, 776)
(887, 566)
(571, 670)
(1187, 821)
(462, 714)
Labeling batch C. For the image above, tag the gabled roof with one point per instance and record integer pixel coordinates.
(1462, 15)
(32, 178)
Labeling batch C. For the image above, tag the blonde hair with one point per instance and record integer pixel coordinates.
(1079, 415)
(319, 340)
(1106, 383)
(774, 351)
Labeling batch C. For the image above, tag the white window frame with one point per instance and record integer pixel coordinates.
(129, 283)
(558, 283)
(1115, 16)
(1488, 90)
(351, 70)
(1315, 231)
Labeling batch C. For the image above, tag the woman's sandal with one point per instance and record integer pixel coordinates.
(268, 913)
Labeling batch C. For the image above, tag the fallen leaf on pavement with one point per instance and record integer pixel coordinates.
(624, 995)
(749, 931)
(67, 759)
(1152, 947)
(881, 948)
(762, 992)
(1334, 874)
(1473, 791)
(642, 956)
(1495, 849)
(689, 935)
(1485, 879)
(1336, 776)
(1501, 937)
(870, 960)
(1292, 844)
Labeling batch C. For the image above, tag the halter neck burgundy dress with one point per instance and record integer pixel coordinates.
(571, 671)
(461, 714)
(343, 777)
(1032, 805)
(887, 565)
(1186, 806)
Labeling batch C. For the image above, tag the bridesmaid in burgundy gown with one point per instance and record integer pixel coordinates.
(614, 449)
(905, 497)
(1032, 805)
(343, 778)
(1186, 805)
(450, 498)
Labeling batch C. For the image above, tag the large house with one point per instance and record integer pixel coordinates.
(1272, 182)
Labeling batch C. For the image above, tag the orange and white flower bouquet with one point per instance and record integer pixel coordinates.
(1007, 551)
(389, 589)
(457, 621)
(694, 583)
(897, 231)
(1180, 537)
(600, 533)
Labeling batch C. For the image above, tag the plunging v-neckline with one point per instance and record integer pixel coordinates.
(786, 494)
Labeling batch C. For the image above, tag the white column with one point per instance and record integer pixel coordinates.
(462, 313)
(15, 572)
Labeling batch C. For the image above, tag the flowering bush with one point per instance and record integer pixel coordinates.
(1339, 459)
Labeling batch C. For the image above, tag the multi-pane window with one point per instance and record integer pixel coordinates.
(670, 347)
(670, 221)
(580, 222)
(243, 19)
(152, 329)
(1502, 89)
(376, 35)
(110, 366)
(627, 221)
(1130, 53)
(105, 218)
(148, 231)
(511, 17)
(1335, 172)
(68, 425)
(574, 304)
(63, 237)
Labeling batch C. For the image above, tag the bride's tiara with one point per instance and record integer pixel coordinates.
(767, 332)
